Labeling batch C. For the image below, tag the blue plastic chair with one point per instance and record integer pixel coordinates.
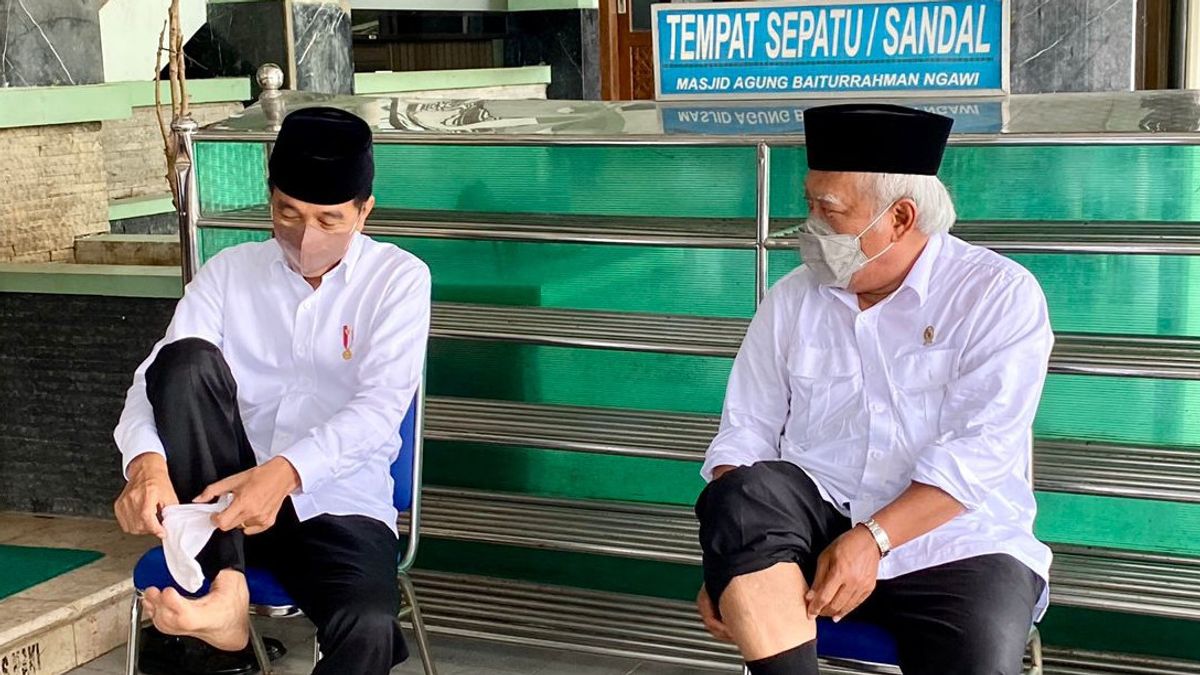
(267, 596)
(855, 642)
(870, 649)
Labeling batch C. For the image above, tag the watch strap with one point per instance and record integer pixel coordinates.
(881, 537)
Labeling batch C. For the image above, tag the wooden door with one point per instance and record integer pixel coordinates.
(627, 51)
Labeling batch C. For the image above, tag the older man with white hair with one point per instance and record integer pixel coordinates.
(874, 454)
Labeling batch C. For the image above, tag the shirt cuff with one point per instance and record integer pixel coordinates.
(729, 456)
(737, 446)
(939, 467)
(311, 464)
(138, 444)
(715, 459)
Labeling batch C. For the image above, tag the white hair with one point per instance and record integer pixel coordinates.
(935, 209)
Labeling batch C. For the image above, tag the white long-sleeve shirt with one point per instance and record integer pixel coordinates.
(937, 384)
(335, 419)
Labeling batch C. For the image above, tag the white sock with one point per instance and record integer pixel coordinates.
(189, 527)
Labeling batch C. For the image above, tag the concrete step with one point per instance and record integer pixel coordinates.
(128, 249)
(71, 619)
(145, 214)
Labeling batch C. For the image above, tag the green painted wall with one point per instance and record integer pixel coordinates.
(1055, 183)
(131, 281)
(37, 106)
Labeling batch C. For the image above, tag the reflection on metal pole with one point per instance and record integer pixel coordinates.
(184, 176)
(1191, 71)
(1184, 72)
(762, 221)
(270, 78)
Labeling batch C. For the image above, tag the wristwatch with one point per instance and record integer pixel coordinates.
(881, 537)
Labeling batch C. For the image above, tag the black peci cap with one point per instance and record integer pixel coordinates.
(875, 138)
(323, 156)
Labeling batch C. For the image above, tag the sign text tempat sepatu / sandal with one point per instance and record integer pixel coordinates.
(815, 48)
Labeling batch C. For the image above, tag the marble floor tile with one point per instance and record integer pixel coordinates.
(17, 525)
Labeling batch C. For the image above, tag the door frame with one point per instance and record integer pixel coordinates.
(610, 56)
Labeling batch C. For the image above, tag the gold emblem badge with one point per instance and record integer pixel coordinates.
(346, 335)
(928, 335)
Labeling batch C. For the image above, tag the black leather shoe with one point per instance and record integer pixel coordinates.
(170, 655)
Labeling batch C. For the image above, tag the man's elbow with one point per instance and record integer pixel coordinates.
(943, 500)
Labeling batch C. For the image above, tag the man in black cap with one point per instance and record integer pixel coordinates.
(282, 381)
(874, 453)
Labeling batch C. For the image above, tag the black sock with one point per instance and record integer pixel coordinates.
(800, 660)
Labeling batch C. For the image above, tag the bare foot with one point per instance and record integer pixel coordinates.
(220, 618)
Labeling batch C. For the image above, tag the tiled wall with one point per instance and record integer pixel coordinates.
(1072, 45)
(65, 363)
(134, 162)
(53, 193)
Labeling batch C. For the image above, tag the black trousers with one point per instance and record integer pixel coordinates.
(341, 570)
(968, 617)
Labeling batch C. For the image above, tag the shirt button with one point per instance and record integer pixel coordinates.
(875, 454)
(877, 408)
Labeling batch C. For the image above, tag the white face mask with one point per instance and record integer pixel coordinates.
(834, 257)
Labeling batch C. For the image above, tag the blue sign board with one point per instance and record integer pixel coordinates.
(978, 116)
(828, 48)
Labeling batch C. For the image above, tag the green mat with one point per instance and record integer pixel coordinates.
(25, 566)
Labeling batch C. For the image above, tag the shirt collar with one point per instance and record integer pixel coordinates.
(917, 280)
(347, 265)
(279, 263)
(353, 254)
(921, 272)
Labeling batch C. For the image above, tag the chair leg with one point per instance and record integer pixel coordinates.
(1035, 652)
(260, 652)
(316, 649)
(132, 647)
(418, 625)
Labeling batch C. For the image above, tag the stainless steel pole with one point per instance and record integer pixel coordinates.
(270, 79)
(1190, 29)
(762, 222)
(182, 131)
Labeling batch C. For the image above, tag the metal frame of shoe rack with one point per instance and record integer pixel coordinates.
(649, 628)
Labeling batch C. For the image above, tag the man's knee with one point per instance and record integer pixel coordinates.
(725, 497)
(750, 520)
(751, 506)
(183, 360)
(188, 352)
(721, 497)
